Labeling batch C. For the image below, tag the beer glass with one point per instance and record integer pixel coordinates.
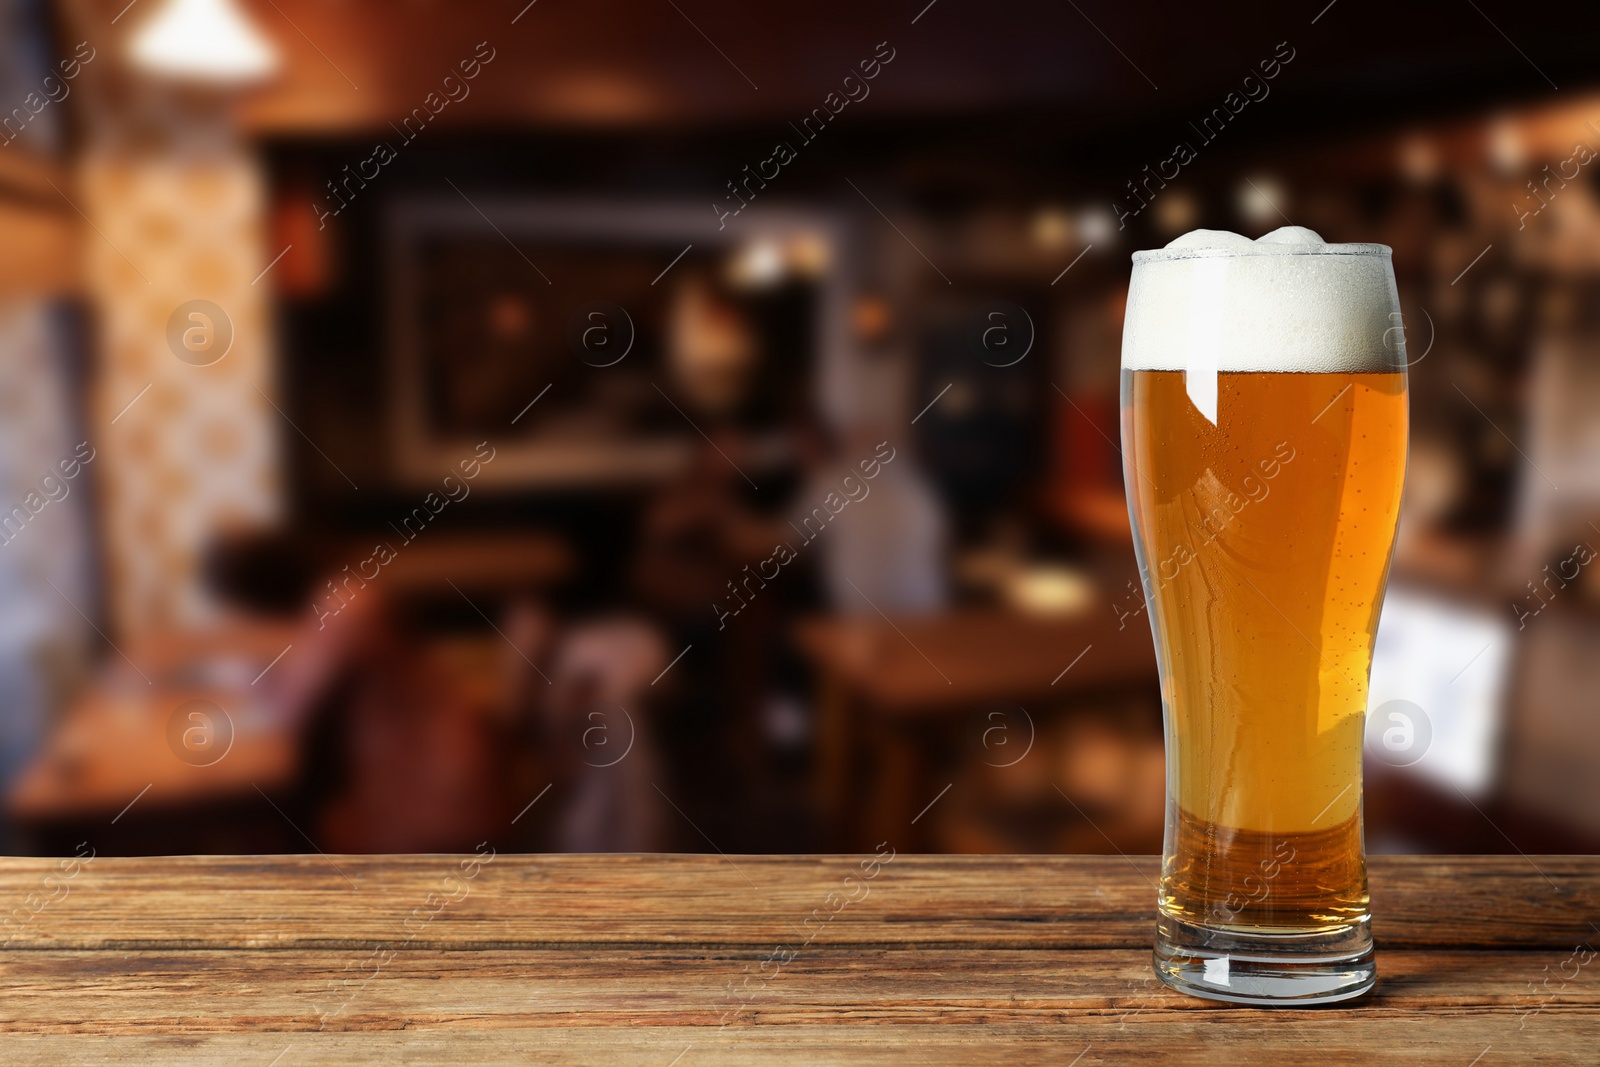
(1264, 445)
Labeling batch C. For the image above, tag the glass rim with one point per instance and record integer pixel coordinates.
(1159, 255)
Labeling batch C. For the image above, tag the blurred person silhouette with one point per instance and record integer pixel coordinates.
(885, 547)
(713, 350)
(699, 534)
(599, 740)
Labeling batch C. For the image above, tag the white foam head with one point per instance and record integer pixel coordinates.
(1215, 301)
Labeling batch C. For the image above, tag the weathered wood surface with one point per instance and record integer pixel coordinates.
(710, 960)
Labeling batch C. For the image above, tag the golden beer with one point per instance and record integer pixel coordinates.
(1264, 502)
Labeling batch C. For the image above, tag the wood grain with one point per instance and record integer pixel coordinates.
(630, 959)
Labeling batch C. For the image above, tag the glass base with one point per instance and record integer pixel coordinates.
(1291, 970)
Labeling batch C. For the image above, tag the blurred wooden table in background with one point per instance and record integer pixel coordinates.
(882, 678)
(674, 961)
(116, 741)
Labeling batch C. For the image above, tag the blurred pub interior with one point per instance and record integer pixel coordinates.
(552, 460)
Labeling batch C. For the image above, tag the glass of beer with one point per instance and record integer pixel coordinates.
(1264, 447)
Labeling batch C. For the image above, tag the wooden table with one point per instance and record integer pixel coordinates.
(882, 678)
(689, 960)
(113, 744)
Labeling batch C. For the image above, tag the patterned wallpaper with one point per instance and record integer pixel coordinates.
(190, 435)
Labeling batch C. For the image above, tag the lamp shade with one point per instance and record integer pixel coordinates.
(203, 40)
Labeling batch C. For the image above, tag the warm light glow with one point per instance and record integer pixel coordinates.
(1419, 159)
(1094, 226)
(1507, 150)
(203, 40)
(1177, 212)
(758, 265)
(1052, 228)
(1262, 200)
